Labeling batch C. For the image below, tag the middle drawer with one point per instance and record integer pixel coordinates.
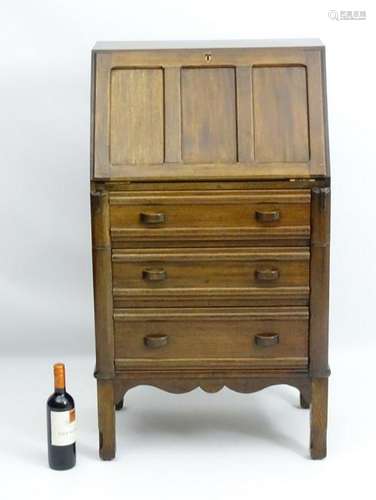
(210, 276)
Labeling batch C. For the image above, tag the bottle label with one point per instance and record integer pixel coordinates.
(63, 427)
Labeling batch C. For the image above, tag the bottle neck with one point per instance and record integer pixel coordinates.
(59, 378)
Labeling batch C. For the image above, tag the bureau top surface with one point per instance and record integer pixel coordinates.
(205, 110)
(108, 46)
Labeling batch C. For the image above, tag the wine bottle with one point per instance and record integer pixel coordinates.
(61, 424)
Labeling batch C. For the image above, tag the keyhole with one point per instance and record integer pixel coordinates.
(208, 58)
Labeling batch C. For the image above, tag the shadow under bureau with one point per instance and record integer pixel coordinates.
(210, 221)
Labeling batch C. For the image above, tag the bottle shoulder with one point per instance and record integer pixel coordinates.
(60, 402)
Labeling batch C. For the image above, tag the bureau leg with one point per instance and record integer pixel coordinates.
(319, 415)
(106, 419)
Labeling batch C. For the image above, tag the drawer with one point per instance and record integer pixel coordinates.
(198, 276)
(154, 218)
(211, 337)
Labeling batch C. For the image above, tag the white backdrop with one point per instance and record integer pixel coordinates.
(45, 288)
(45, 271)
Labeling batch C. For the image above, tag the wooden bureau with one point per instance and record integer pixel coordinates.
(210, 221)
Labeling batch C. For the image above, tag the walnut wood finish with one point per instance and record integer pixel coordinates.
(136, 133)
(276, 139)
(257, 276)
(210, 216)
(319, 417)
(239, 381)
(207, 94)
(106, 419)
(102, 276)
(319, 300)
(210, 197)
(220, 337)
(278, 90)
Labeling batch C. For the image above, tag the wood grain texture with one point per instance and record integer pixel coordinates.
(137, 116)
(244, 94)
(201, 216)
(215, 337)
(319, 272)
(209, 275)
(208, 115)
(280, 114)
(169, 381)
(118, 187)
(219, 297)
(209, 314)
(208, 197)
(318, 120)
(100, 119)
(211, 171)
(172, 106)
(102, 277)
(319, 417)
(229, 155)
(106, 419)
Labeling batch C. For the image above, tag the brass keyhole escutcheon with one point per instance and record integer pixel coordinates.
(208, 58)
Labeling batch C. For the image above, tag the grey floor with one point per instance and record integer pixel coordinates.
(197, 445)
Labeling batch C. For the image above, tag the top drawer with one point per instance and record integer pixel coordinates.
(219, 217)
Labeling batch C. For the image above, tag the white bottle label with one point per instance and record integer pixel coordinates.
(63, 427)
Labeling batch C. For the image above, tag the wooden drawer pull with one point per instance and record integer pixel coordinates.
(151, 218)
(267, 339)
(154, 274)
(267, 274)
(267, 216)
(155, 341)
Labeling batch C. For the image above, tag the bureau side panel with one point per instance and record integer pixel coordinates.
(319, 276)
(102, 277)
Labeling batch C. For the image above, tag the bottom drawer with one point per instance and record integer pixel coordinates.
(211, 338)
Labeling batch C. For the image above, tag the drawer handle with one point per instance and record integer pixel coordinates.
(267, 274)
(267, 339)
(151, 218)
(155, 341)
(267, 216)
(154, 274)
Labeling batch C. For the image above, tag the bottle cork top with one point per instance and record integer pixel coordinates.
(59, 375)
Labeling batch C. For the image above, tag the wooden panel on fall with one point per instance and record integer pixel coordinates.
(208, 102)
(209, 115)
(136, 126)
(280, 114)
